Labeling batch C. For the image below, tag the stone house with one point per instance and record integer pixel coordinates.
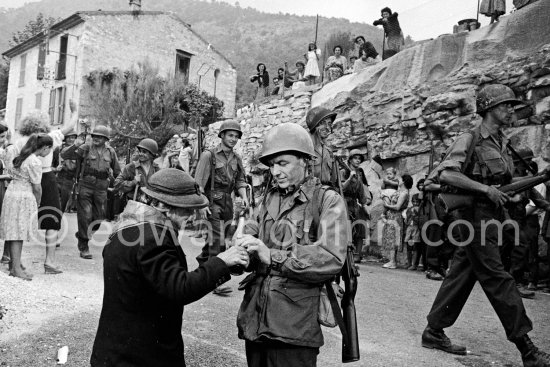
(47, 72)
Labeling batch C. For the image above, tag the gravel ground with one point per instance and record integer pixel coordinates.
(56, 310)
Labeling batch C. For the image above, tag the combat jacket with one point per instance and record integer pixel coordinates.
(491, 163)
(228, 172)
(281, 304)
(125, 184)
(324, 164)
(68, 166)
(97, 164)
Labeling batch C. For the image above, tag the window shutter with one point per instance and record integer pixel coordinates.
(51, 109)
(22, 68)
(61, 104)
(18, 111)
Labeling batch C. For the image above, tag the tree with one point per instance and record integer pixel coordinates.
(32, 28)
(342, 39)
(140, 103)
(4, 72)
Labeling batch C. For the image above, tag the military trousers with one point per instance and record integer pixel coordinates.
(276, 354)
(92, 201)
(478, 259)
(218, 225)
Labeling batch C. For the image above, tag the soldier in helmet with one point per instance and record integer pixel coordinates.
(475, 164)
(136, 173)
(319, 122)
(354, 185)
(290, 255)
(97, 162)
(220, 173)
(66, 170)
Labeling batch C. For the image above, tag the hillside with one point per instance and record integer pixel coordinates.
(245, 35)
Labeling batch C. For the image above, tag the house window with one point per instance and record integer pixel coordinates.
(56, 109)
(38, 101)
(183, 60)
(62, 62)
(41, 61)
(18, 110)
(216, 75)
(22, 70)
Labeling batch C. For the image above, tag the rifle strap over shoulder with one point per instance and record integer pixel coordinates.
(470, 152)
(212, 172)
(337, 312)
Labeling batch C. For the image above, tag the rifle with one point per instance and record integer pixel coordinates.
(252, 199)
(350, 334)
(451, 201)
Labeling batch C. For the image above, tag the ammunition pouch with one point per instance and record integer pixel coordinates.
(97, 174)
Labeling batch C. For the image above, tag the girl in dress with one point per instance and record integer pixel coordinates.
(262, 78)
(312, 67)
(18, 222)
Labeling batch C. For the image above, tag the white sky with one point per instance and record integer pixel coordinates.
(420, 19)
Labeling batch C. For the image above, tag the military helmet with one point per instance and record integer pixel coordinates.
(316, 115)
(71, 133)
(494, 94)
(286, 137)
(101, 130)
(356, 152)
(150, 145)
(230, 125)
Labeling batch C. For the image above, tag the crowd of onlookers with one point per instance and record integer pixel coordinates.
(406, 244)
(308, 72)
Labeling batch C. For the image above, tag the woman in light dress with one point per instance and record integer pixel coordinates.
(19, 221)
(336, 65)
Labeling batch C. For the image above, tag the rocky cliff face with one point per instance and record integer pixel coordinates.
(426, 95)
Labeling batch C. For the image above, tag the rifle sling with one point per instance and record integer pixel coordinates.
(336, 311)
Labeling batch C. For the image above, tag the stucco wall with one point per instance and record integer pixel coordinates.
(124, 40)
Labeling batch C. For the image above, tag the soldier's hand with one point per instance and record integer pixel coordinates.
(496, 196)
(137, 178)
(255, 245)
(235, 255)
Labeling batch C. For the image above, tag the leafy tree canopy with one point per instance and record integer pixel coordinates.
(32, 28)
(140, 103)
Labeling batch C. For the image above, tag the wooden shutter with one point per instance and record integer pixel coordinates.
(38, 101)
(22, 68)
(60, 104)
(18, 111)
(51, 109)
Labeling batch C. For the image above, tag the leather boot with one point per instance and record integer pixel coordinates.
(436, 339)
(531, 355)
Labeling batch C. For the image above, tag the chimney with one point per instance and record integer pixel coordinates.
(135, 5)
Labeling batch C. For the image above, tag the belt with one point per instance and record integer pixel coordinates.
(98, 175)
(65, 174)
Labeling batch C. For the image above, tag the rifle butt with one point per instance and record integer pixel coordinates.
(350, 345)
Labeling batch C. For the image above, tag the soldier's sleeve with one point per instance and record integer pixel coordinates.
(69, 152)
(363, 194)
(203, 169)
(240, 180)
(455, 155)
(125, 180)
(115, 165)
(324, 258)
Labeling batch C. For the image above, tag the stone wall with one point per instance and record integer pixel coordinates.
(257, 118)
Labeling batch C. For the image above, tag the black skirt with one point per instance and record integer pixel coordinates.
(49, 212)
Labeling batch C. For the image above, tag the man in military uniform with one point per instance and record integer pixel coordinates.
(220, 173)
(66, 172)
(291, 255)
(354, 185)
(136, 173)
(474, 164)
(319, 121)
(97, 162)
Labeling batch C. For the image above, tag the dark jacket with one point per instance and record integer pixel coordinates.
(146, 286)
(391, 25)
(262, 79)
(125, 184)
